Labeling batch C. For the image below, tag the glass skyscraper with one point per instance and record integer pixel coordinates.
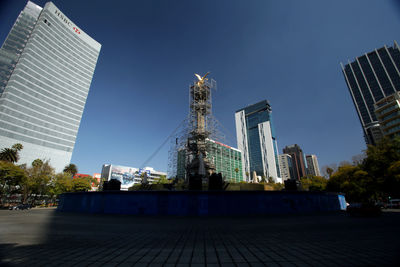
(257, 140)
(298, 161)
(370, 78)
(46, 67)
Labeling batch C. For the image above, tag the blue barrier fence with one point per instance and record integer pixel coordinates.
(201, 202)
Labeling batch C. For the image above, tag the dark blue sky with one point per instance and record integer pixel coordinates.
(288, 52)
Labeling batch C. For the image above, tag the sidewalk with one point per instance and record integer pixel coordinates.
(45, 237)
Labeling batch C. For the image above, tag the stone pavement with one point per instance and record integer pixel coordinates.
(45, 237)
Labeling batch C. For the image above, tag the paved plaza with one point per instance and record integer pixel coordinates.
(45, 237)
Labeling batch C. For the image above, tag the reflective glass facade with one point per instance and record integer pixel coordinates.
(370, 78)
(257, 140)
(298, 160)
(227, 161)
(46, 64)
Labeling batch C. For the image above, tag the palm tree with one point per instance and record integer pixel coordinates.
(71, 168)
(11, 154)
(17, 147)
(8, 154)
(37, 163)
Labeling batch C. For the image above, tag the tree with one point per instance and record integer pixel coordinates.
(356, 183)
(17, 147)
(327, 170)
(82, 184)
(313, 183)
(71, 168)
(61, 183)
(11, 154)
(11, 177)
(163, 180)
(38, 180)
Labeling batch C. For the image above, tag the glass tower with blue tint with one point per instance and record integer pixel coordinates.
(46, 68)
(370, 78)
(257, 140)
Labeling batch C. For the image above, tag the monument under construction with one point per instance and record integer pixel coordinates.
(194, 154)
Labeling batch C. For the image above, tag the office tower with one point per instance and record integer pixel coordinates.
(227, 161)
(299, 169)
(370, 78)
(285, 166)
(46, 67)
(387, 111)
(312, 165)
(257, 140)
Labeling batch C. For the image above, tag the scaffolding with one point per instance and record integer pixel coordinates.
(189, 147)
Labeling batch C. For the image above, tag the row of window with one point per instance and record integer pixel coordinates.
(66, 45)
(59, 66)
(59, 92)
(75, 90)
(35, 94)
(74, 39)
(37, 121)
(4, 132)
(40, 136)
(38, 109)
(36, 128)
(61, 55)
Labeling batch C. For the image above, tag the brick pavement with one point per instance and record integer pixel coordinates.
(44, 237)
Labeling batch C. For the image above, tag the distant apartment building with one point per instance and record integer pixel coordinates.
(286, 166)
(227, 161)
(387, 111)
(312, 165)
(298, 161)
(129, 176)
(256, 139)
(370, 78)
(46, 67)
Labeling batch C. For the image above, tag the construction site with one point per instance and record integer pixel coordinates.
(197, 147)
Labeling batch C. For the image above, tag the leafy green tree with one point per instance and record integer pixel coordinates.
(356, 183)
(313, 183)
(71, 168)
(38, 180)
(11, 177)
(82, 184)
(163, 180)
(61, 183)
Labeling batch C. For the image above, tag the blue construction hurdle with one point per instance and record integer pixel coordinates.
(199, 203)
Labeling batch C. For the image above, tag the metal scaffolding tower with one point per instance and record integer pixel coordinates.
(189, 148)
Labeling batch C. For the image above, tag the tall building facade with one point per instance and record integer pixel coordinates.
(227, 161)
(312, 165)
(298, 161)
(46, 68)
(387, 111)
(257, 140)
(286, 166)
(370, 78)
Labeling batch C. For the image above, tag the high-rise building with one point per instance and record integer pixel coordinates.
(257, 140)
(227, 161)
(46, 67)
(298, 161)
(312, 165)
(370, 78)
(387, 111)
(286, 166)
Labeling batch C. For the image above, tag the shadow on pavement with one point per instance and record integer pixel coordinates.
(45, 237)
